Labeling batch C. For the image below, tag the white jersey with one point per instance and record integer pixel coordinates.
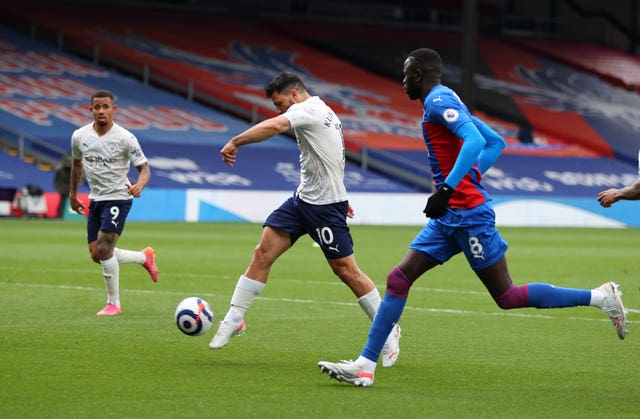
(106, 160)
(319, 135)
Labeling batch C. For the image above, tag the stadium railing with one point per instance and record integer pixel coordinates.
(30, 148)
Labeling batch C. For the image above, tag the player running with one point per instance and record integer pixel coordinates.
(104, 151)
(461, 148)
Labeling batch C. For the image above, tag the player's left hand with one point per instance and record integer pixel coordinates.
(133, 190)
(350, 211)
(438, 202)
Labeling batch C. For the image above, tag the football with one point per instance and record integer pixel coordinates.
(194, 316)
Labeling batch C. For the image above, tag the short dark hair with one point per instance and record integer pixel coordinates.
(428, 61)
(103, 93)
(283, 82)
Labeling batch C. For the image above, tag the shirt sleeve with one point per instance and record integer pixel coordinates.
(75, 150)
(298, 116)
(136, 155)
(493, 147)
(448, 111)
(472, 145)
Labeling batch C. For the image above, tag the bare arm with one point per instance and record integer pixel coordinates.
(144, 174)
(257, 133)
(76, 180)
(613, 195)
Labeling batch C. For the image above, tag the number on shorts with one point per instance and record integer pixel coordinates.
(476, 247)
(325, 235)
(115, 211)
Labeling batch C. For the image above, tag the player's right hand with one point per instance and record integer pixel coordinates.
(76, 205)
(229, 154)
(438, 202)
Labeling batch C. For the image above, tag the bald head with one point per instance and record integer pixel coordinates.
(422, 70)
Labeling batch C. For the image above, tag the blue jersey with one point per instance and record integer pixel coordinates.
(442, 123)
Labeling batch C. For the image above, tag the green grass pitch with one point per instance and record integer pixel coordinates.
(461, 355)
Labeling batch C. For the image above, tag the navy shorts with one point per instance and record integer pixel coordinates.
(107, 216)
(326, 224)
(470, 231)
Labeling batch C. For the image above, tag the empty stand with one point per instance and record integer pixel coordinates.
(564, 104)
(44, 95)
(224, 61)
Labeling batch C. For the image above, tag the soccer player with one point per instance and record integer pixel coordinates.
(461, 219)
(104, 151)
(613, 195)
(319, 207)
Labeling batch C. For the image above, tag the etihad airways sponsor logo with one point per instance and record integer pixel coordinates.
(100, 159)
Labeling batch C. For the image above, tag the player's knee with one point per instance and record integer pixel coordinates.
(344, 272)
(397, 283)
(514, 297)
(260, 253)
(102, 251)
(352, 276)
(93, 253)
(341, 273)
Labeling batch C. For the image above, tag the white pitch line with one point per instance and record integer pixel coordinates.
(309, 301)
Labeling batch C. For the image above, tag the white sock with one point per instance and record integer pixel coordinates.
(366, 363)
(370, 303)
(129, 256)
(246, 291)
(597, 298)
(111, 272)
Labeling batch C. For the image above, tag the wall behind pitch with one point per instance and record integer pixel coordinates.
(216, 205)
(159, 205)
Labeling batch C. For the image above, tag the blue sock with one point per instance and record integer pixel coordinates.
(388, 314)
(549, 296)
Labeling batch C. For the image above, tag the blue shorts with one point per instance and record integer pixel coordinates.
(326, 224)
(107, 216)
(470, 231)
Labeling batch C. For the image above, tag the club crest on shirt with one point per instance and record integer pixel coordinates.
(450, 115)
(112, 148)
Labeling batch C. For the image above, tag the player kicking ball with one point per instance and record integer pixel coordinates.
(319, 207)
